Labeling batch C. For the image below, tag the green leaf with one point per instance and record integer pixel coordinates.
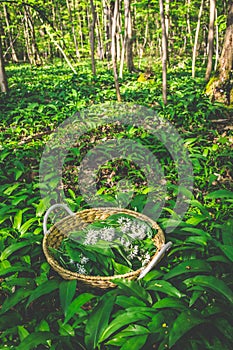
(12, 269)
(98, 320)
(14, 299)
(131, 332)
(133, 288)
(219, 194)
(34, 339)
(196, 219)
(227, 250)
(42, 206)
(164, 287)
(129, 316)
(13, 248)
(66, 291)
(66, 329)
(224, 327)
(11, 189)
(18, 220)
(184, 323)
(76, 304)
(45, 288)
(23, 229)
(227, 232)
(169, 302)
(212, 283)
(190, 266)
(23, 333)
(126, 301)
(134, 343)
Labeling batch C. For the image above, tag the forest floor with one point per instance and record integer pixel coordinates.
(32, 296)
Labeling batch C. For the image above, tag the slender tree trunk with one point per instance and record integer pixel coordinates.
(3, 78)
(99, 37)
(129, 38)
(196, 38)
(220, 86)
(11, 41)
(164, 51)
(217, 41)
(113, 49)
(73, 29)
(210, 40)
(107, 28)
(188, 24)
(92, 37)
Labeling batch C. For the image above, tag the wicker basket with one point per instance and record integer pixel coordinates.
(76, 221)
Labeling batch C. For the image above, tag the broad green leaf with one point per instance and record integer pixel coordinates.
(196, 219)
(14, 299)
(224, 327)
(45, 288)
(66, 329)
(227, 250)
(195, 296)
(66, 291)
(129, 316)
(43, 326)
(134, 343)
(212, 283)
(126, 301)
(23, 333)
(42, 206)
(12, 269)
(183, 324)
(11, 189)
(131, 331)
(76, 304)
(23, 229)
(190, 266)
(18, 220)
(13, 248)
(164, 287)
(98, 320)
(34, 339)
(227, 233)
(133, 288)
(169, 302)
(219, 194)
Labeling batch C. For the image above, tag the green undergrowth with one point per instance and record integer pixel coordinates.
(183, 303)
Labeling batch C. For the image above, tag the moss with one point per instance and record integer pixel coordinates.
(210, 86)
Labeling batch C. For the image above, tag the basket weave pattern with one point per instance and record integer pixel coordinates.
(80, 220)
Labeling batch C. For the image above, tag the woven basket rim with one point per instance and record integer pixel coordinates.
(67, 274)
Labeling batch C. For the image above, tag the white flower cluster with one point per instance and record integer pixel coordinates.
(133, 228)
(105, 234)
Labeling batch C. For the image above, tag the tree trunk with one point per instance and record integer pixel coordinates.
(164, 51)
(129, 36)
(210, 40)
(113, 49)
(92, 37)
(73, 29)
(196, 38)
(188, 23)
(220, 86)
(11, 41)
(3, 78)
(217, 41)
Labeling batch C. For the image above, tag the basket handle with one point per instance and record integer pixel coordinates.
(59, 205)
(155, 260)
